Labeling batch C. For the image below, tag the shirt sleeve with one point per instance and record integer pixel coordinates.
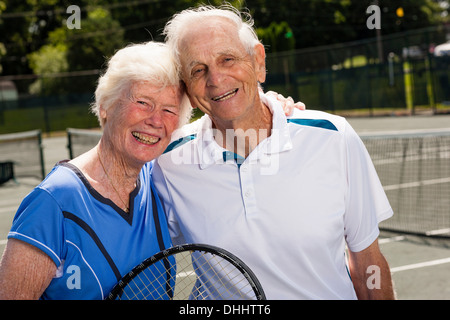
(366, 203)
(39, 222)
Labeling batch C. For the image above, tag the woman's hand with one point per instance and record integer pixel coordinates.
(288, 103)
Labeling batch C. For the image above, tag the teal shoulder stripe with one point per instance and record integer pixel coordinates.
(325, 124)
(180, 142)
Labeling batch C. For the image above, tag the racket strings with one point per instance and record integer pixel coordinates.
(220, 281)
(194, 276)
(148, 284)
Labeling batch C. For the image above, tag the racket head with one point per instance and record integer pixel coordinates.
(189, 272)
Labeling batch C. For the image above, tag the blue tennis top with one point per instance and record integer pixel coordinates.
(91, 240)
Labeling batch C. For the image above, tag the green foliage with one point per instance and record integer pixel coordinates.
(277, 37)
(2, 53)
(88, 47)
(49, 59)
(323, 22)
(36, 39)
(74, 50)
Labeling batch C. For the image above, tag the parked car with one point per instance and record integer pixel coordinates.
(442, 49)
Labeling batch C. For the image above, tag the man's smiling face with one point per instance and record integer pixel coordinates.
(220, 75)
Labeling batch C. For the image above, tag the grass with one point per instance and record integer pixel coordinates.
(48, 120)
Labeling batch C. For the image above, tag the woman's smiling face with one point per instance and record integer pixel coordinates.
(140, 125)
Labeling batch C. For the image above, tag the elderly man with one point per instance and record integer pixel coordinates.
(286, 195)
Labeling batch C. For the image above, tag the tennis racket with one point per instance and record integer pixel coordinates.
(189, 272)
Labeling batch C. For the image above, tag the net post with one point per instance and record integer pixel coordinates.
(69, 143)
(41, 153)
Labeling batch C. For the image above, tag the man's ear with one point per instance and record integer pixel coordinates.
(102, 112)
(260, 62)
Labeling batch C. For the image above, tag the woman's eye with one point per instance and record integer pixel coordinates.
(171, 110)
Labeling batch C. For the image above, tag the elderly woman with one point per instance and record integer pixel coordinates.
(95, 217)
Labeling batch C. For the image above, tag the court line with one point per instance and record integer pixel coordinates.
(416, 184)
(405, 133)
(437, 232)
(398, 157)
(3, 242)
(389, 240)
(185, 274)
(420, 265)
(10, 209)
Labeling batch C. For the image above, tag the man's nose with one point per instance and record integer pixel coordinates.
(214, 77)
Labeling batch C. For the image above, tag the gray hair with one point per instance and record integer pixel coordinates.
(151, 62)
(180, 23)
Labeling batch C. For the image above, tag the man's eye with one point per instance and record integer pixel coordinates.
(228, 61)
(197, 72)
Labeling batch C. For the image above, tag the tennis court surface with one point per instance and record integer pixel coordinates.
(415, 172)
(412, 158)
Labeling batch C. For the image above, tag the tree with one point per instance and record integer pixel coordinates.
(50, 59)
(322, 22)
(75, 50)
(26, 26)
(277, 37)
(99, 37)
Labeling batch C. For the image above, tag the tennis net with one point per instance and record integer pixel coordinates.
(24, 150)
(414, 168)
(81, 140)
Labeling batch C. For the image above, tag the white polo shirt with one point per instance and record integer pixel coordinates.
(288, 210)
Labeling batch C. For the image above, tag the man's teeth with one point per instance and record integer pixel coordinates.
(225, 96)
(144, 138)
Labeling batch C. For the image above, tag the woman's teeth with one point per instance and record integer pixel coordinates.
(145, 138)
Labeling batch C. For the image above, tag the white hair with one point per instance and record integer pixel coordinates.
(180, 23)
(152, 62)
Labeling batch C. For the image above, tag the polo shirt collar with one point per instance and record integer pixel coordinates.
(280, 139)
(210, 152)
